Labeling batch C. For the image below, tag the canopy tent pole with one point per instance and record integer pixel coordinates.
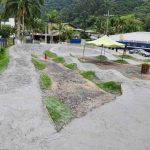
(84, 50)
(101, 50)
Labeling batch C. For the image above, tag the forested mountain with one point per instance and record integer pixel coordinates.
(57, 4)
(92, 13)
(100, 7)
(71, 9)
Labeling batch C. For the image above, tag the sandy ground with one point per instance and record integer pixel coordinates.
(123, 124)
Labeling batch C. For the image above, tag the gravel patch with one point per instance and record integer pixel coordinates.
(80, 95)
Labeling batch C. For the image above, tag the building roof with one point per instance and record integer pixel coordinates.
(135, 36)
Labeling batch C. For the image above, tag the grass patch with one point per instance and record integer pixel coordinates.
(45, 82)
(147, 60)
(59, 60)
(54, 57)
(38, 64)
(50, 54)
(101, 58)
(111, 87)
(121, 61)
(4, 58)
(125, 56)
(71, 66)
(59, 113)
(90, 75)
(34, 55)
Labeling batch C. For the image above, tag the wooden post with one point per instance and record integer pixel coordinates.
(46, 57)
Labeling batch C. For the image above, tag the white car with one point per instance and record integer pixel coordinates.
(144, 53)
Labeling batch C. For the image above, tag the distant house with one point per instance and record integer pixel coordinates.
(10, 22)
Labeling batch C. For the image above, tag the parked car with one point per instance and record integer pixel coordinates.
(134, 51)
(144, 53)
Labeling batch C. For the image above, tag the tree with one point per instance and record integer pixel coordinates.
(54, 18)
(20, 10)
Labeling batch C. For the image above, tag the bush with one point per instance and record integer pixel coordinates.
(45, 81)
(90, 75)
(59, 113)
(39, 65)
(6, 31)
(111, 87)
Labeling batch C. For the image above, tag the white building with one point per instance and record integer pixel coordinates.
(11, 22)
(135, 36)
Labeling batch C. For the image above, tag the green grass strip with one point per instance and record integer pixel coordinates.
(90, 75)
(45, 82)
(101, 58)
(50, 54)
(121, 61)
(147, 60)
(59, 60)
(38, 64)
(54, 57)
(4, 58)
(111, 87)
(71, 66)
(59, 113)
(124, 56)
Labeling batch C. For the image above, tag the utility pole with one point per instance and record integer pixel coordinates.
(107, 21)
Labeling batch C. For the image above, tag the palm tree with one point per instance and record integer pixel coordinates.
(20, 9)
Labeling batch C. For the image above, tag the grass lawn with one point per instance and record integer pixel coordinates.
(90, 75)
(4, 59)
(38, 64)
(71, 66)
(111, 87)
(121, 61)
(45, 82)
(101, 58)
(59, 113)
(54, 57)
